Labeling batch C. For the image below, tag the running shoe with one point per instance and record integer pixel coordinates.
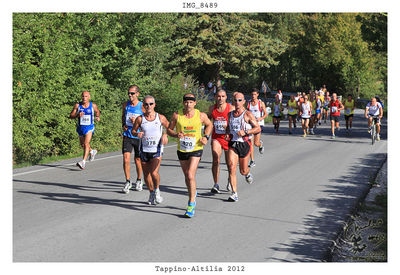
(333, 137)
(228, 186)
(305, 135)
(127, 187)
(290, 133)
(249, 178)
(92, 154)
(234, 197)
(378, 137)
(308, 132)
(190, 209)
(252, 163)
(312, 132)
(158, 198)
(319, 122)
(261, 149)
(139, 185)
(215, 189)
(81, 164)
(369, 130)
(152, 198)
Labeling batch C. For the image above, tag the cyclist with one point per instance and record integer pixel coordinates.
(374, 111)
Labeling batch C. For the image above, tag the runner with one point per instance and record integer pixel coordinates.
(280, 95)
(313, 102)
(219, 115)
(320, 100)
(257, 108)
(85, 111)
(242, 123)
(277, 108)
(151, 146)
(374, 111)
(335, 106)
(349, 106)
(292, 112)
(305, 114)
(188, 124)
(130, 111)
(325, 106)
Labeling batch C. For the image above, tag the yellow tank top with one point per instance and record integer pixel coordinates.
(191, 128)
(348, 107)
(292, 107)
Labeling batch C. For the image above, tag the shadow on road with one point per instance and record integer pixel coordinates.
(341, 198)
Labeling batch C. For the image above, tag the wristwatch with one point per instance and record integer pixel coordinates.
(207, 137)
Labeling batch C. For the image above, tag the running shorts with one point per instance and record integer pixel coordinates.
(242, 149)
(348, 116)
(84, 130)
(222, 141)
(146, 156)
(187, 155)
(131, 143)
(335, 118)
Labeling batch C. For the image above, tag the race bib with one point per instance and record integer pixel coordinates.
(150, 144)
(291, 110)
(334, 109)
(219, 126)
(85, 120)
(347, 111)
(128, 117)
(187, 144)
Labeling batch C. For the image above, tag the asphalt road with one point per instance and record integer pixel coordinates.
(303, 189)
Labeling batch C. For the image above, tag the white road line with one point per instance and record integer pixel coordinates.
(73, 164)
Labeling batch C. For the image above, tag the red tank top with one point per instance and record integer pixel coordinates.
(220, 121)
(335, 108)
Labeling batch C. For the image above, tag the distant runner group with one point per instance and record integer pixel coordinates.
(234, 129)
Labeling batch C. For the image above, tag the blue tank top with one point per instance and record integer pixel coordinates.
(131, 111)
(87, 120)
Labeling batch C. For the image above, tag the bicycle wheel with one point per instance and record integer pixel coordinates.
(373, 133)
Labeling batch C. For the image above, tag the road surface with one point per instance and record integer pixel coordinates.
(303, 189)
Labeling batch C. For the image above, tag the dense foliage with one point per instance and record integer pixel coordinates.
(58, 55)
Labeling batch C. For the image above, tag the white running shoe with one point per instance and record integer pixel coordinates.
(158, 199)
(378, 137)
(139, 185)
(152, 198)
(81, 164)
(234, 197)
(261, 149)
(228, 186)
(92, 154)
(127, 187)
(249, 178)
(312, 131)
(252, 163)
(333, 137)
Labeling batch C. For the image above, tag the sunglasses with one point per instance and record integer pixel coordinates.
(131, 93)
(238, 100)
(148, 104)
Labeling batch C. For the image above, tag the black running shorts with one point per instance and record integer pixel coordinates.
(242, 149)
(187, 155)
(131, 143)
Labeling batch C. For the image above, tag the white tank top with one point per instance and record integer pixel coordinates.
(257, 111)
(236, 124)
(152, 132)
(306, 109)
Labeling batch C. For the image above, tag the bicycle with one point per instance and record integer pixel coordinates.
(375, 120)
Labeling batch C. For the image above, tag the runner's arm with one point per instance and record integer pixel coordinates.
(124, 127)
(97, 111)
(74, 112)
(170, 130)
(207, 129)
(135, 127)
(264, 109)
(251, 119)
(165, 123)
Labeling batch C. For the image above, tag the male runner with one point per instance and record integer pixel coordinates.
(292, 112)
(188, 123)
(349, 105)
(325, 106)
(130, 111)
(85, 111)
(151, 146)
(242, 123)
(219, 115)
(257, 108)
(277, 108)
(305, 110)
(335, 106)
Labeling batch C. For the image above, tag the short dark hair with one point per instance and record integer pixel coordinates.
(255, 90)
(134, 86)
